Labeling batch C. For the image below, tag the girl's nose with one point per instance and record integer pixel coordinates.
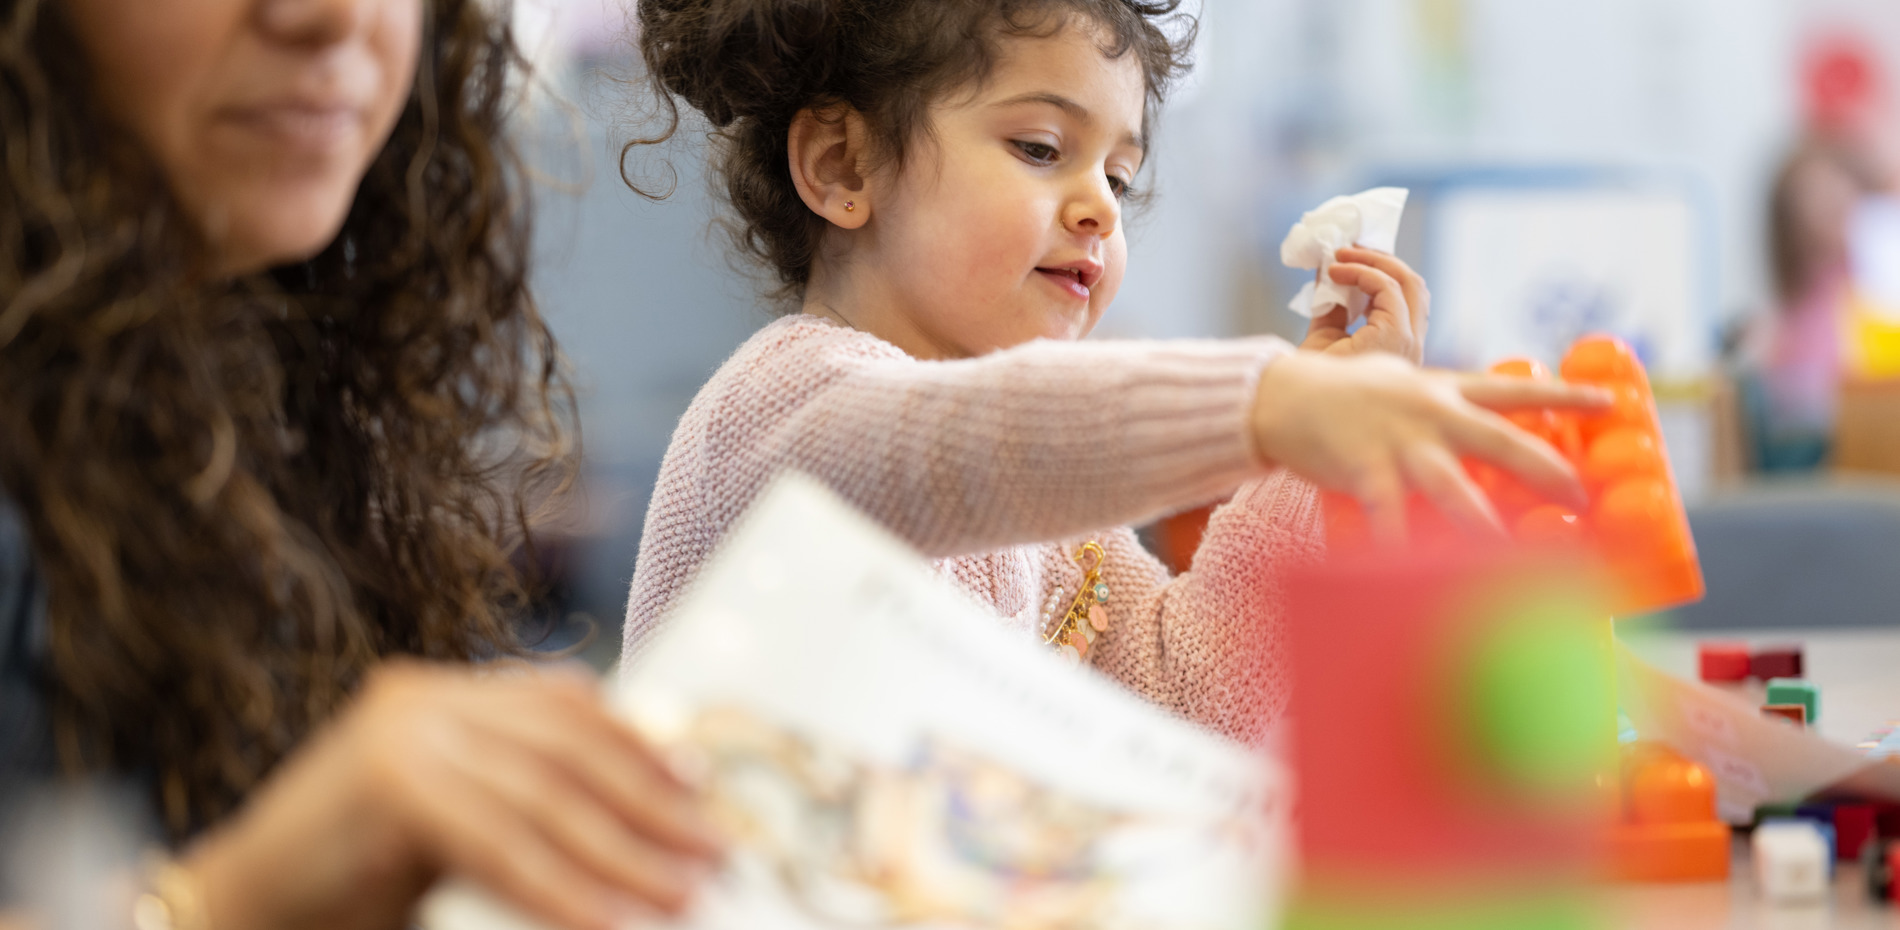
(1095, 211)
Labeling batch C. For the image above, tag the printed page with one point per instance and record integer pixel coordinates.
(884, 754)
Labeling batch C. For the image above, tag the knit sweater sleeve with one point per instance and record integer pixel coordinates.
(1209, 643)
(1032, 443)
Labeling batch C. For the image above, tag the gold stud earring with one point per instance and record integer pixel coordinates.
(850, 205)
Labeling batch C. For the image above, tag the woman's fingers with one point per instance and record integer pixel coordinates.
(497, 846)
(580, 828)
(1492, 438)
(1504, 394)
(597, 753)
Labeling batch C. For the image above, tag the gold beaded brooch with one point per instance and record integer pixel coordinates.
(1087, 618)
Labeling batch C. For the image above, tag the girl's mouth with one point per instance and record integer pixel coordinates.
(1068, 279)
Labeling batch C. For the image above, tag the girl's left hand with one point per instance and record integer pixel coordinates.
(1396, 319)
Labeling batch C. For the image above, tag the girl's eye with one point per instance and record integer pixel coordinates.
(1037, 152)
(1120, 186)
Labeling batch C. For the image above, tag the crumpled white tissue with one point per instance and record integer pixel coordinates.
(1369, 220)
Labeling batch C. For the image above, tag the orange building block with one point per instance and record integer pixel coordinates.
(1635, 525)
(1668, 832)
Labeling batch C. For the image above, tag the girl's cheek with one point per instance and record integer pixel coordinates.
(1114, 265)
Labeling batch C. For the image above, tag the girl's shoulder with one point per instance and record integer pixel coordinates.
(797, 355)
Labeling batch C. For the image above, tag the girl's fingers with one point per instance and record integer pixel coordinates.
(1387, 297)
(1438, 475)
(1497, 392)
(1332, 323)
(1381, 493)
(1418, 298)
(580, 828)
(598, 754)
(1492, 438)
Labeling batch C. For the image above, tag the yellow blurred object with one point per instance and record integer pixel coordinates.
(1871, 342)
(1867, 426)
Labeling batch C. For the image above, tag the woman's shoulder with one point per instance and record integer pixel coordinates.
(25, 728)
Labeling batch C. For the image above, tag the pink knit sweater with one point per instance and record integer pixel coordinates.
(1000, 467)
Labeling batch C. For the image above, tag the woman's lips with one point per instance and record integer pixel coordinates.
(301, 124)
(1068, 281)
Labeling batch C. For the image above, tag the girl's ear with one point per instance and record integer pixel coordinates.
(829, 155)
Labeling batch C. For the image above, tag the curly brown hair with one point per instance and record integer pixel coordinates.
(750, 66)
(243, 494)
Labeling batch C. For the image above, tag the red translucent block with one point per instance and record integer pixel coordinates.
(1722, 662)
(1388, 784)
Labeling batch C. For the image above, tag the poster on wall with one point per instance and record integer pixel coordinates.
(1525, 270)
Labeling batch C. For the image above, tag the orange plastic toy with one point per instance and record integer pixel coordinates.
(1636, 524)
(1668, 832)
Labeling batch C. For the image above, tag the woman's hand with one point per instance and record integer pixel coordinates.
(1396, 319)
(1376, 427)
(520, 782)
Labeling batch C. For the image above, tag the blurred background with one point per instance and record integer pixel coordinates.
(1717, 181)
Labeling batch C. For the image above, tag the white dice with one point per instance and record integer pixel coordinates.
(1791, 861)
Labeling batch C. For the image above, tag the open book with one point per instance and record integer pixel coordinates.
(884, 754)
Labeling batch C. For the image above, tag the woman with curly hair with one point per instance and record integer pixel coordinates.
(272, 393)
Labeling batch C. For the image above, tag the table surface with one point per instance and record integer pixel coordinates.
(1858, 672)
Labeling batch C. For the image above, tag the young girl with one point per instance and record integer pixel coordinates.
(939, 188)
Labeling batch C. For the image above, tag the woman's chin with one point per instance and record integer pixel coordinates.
(254, 233)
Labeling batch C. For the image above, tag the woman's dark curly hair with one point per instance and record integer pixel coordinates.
(244, 494)
(750, 66)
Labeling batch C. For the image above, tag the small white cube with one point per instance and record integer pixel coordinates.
(1791, 861)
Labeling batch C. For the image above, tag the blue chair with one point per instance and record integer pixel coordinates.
(1791, 556)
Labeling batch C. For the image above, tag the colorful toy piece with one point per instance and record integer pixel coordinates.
(1791, 861)
(1731, 662)
(1853, 829)
(1723, 662)
(1880, 862)
(1776, 662)
(1796, 691)
(1796, 714)
(1635, 524)
(1669, 832)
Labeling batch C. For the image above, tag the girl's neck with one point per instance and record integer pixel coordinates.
(866, 304)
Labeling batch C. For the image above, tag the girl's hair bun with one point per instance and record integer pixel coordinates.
(750, 66)
(733, 59)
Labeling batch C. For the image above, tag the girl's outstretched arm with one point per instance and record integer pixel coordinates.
(1037, 442)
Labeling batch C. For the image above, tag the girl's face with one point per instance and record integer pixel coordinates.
(1005, 222)
(263, 115)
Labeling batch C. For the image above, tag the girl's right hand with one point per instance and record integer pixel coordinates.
(522, 783)
(1375, 427)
